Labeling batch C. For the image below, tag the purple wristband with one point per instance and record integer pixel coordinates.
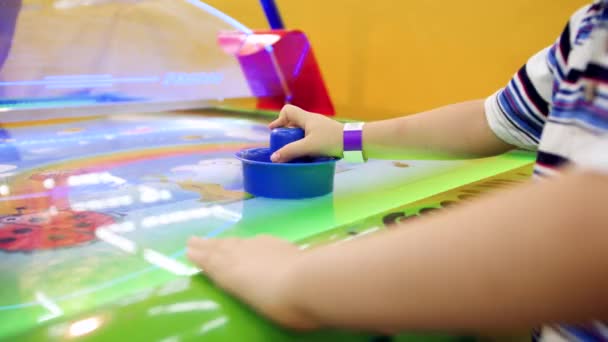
(353, 140)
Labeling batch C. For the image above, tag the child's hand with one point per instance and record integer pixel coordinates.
(323, 135)
(253, 270)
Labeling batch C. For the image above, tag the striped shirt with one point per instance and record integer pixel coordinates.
(557, 105)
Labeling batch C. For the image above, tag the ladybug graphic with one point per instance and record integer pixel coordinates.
(46, 230)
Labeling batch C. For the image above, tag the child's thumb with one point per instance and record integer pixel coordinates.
(300, 148)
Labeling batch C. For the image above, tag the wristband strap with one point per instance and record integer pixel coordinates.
(353, 142)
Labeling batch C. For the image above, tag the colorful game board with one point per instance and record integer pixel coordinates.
(95, 212)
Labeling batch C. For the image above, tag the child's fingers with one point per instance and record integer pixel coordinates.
(295, 115)
(281, 121)
(211, 263)
(207, 255)
(198, 250)
(291, 151)
(198, 257)
(200, 243)
(290, 115)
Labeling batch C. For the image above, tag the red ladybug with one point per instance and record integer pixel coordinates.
(41, 231)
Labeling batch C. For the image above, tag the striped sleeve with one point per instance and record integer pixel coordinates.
(517, 112)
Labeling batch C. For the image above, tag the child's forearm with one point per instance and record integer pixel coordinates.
(533, 255)
(454, 131)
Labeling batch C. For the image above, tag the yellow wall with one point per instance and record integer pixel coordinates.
(389, 57)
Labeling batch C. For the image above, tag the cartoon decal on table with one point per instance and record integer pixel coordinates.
(126, 165)
(63, 206)
(36, 215)
(53, 229)
(215, 180)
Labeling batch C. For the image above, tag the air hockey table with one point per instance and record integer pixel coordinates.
(109, 162)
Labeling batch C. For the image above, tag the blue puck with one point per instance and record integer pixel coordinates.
(280, 137)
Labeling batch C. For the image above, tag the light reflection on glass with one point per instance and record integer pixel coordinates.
(110, 234)
(192, 214)
(170, 339)
(136, 298)
(48, 183)
(53, 211)
(123, 227)
(146, 195)
(115, 240)
(151, 195)
(263, 40)
(4, 190)
(201, 305)
(174, 287)
(50, 305)
(213, 324)
(83, 327)
(94, 179)
(160, 260)
(175, 217)
(223, 213)
(106, 203)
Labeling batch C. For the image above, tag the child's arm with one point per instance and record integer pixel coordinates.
(512, 117)
(535, 254)
(454, 131)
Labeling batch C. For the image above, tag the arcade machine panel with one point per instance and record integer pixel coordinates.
(102, 180)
